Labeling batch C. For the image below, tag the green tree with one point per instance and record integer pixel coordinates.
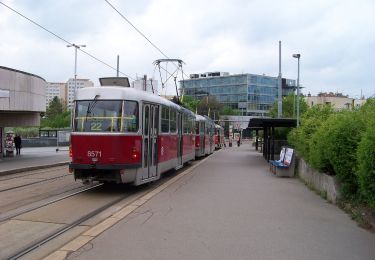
(227, 111)
(60, 121)
(190, 103)
(55, 108)
(56, 115)
(209, 106)
(288, 106)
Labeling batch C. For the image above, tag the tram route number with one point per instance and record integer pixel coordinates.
(95, 154)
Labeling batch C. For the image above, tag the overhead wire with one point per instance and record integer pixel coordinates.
(62, 39)
(135, 28)
(142, 34)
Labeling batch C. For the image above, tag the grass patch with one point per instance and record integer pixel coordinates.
(359, 212)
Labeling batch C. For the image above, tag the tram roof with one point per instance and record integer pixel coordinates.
(124, 93)
(200, 118)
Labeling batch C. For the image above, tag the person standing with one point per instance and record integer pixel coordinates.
(18, 143)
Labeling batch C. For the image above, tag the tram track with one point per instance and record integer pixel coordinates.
(7, 216)
(34, 172)
(36, 244)
(32, 183)
(65, 218)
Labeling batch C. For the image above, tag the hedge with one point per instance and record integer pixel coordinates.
(300, 137)
(343, 134)
(341, 144)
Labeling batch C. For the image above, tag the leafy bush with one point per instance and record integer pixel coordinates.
(318, 157)
(366, 164)
(311, 120)
(342, 144)
(25, 132)
(61, 120)
(342, 135)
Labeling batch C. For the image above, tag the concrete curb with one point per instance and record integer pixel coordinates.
(31, 168)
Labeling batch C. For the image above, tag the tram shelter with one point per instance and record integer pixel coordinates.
(22, 99)
(268, 125)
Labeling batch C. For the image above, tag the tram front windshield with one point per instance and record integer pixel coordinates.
(106, 116)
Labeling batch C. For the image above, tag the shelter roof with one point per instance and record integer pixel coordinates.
(255, 123)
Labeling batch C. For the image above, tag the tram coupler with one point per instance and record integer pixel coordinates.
(88, 181)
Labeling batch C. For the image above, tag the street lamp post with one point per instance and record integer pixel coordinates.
(298, 56)
(76, 46)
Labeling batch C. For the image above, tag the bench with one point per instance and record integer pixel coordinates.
(273, 163)
(284, 167)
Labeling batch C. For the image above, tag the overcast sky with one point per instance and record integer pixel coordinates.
(336, 39)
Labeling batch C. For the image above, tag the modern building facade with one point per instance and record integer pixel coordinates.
(252, 94)
(22, 99)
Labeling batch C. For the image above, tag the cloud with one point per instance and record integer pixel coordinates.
(333, 37)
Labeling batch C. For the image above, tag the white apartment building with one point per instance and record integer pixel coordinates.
(81, 83)
(55, 89)
(149, 85)
(65, 91)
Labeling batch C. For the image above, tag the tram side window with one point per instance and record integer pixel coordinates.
(164, 119)
(189, 124)
(192, 125)
(130, 116)
(201, 127)
(173, 120)
(186, 124)
(197, 127)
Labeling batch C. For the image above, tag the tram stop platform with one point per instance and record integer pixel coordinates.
(34, 158)
(228, 207)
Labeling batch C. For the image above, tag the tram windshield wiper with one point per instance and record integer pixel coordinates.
(91, 106)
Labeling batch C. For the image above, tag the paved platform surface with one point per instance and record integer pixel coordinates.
(231, 207)
(34, 158)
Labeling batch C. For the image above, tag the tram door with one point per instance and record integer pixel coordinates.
(150, 135)
(202, 133)
(179, 141)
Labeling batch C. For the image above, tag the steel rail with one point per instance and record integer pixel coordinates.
(2, 219)
(64, 229)
(35, 182)
(23, 174)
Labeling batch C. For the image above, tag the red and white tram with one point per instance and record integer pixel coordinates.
(204, 136)
(219, 136)
(124, 135)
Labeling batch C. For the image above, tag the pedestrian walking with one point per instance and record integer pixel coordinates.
(18, 144)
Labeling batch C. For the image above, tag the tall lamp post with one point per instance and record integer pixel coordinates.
(298, 56)
(76, 46)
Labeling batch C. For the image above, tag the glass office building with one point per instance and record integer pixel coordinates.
(253, 94)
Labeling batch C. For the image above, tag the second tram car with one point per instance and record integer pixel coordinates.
(204, 136)
(219, 136)
(124, 135)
